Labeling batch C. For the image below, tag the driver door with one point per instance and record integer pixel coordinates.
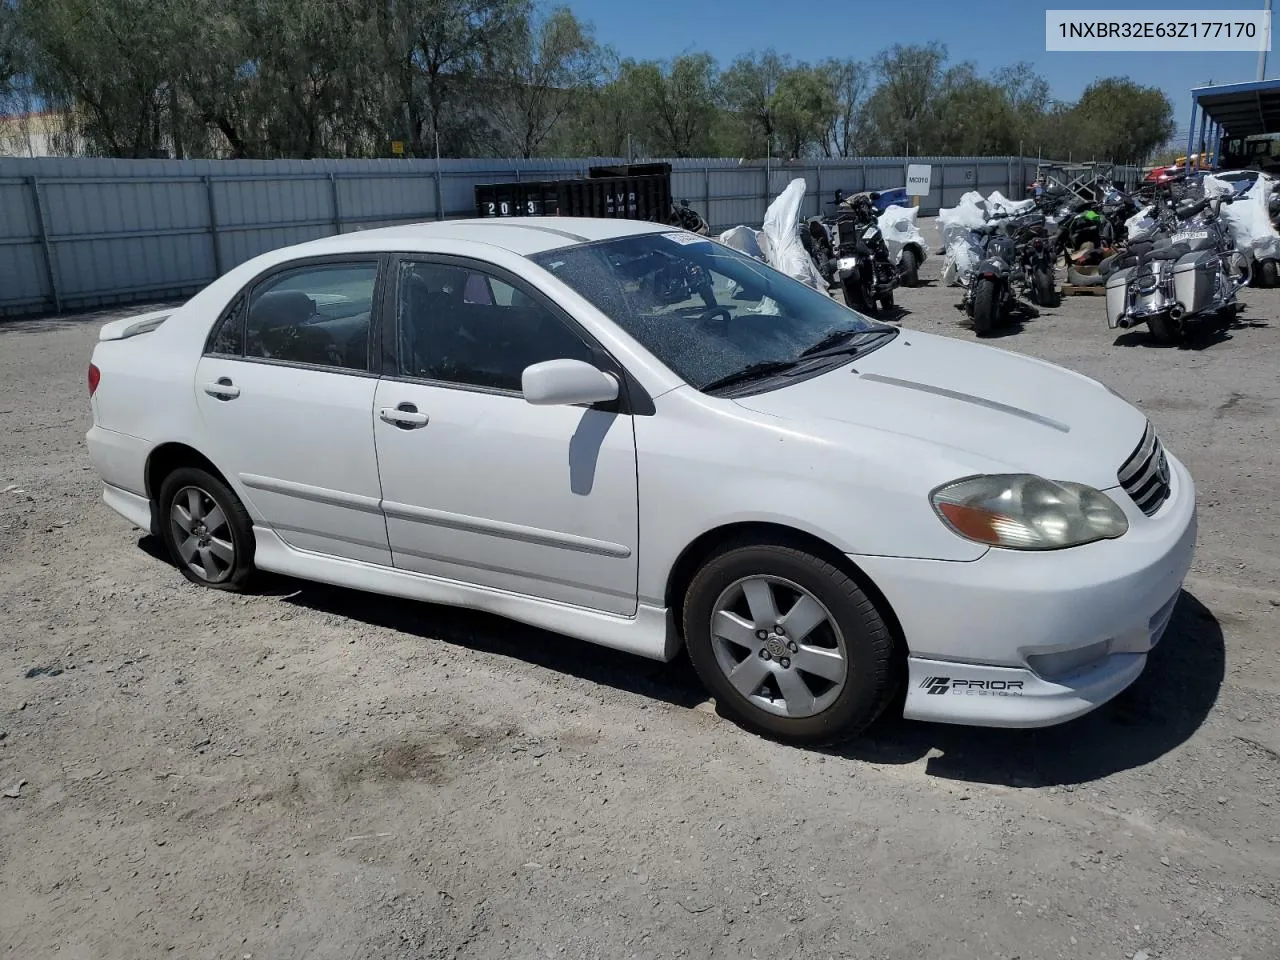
(480, 486)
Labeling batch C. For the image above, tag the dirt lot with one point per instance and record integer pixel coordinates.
(312, 772)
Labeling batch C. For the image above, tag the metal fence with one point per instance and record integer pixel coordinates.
(77, 233)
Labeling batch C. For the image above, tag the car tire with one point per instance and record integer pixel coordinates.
(207, 530)
(910, 268)
(840, 681)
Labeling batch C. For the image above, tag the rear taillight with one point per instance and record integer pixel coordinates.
(95, 375)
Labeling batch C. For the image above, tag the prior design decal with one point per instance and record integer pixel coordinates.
(937, 686)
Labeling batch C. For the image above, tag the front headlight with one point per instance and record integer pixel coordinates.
(1019, 511)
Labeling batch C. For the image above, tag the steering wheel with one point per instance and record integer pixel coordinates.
(706, 316)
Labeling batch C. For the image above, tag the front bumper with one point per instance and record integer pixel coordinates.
(1019, 639)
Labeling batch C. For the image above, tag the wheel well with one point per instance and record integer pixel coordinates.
(695, 554)
(167, 458)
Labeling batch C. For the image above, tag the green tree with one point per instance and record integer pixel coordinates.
(901, 109)
(748, 88)
(438, 55)
(977, 116)
(110, 60)
(538, 78)
(846, 133)
(802, 107)
(675, 104)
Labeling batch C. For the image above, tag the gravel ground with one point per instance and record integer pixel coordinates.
(313, 772)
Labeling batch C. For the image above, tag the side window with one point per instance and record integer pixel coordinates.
(468, 327)
(227, 338)
(318, 315)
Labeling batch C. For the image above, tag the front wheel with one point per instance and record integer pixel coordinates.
(207, 529)
(857, 296)
(788, 644)
(986, 307)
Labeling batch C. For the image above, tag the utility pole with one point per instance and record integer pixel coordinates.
(1266, 42)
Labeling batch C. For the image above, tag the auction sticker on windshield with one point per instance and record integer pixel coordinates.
(684, 236)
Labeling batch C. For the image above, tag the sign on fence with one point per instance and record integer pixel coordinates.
(918, 177)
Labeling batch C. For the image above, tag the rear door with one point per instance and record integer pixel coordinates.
(480, 486)
(286, 388)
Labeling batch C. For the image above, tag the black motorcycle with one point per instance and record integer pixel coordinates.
(849, 251)
(687, 218)
(1016, 264)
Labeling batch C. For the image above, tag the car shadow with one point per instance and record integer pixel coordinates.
(1163, 708)
(673, 682)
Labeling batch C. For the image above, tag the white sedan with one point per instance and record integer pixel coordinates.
(642, 438)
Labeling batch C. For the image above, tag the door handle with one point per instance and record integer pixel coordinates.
(405, 416)
(222, 388)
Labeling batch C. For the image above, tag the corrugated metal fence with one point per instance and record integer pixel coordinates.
(78, 233)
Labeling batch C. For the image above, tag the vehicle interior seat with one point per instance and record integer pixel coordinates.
(278, 328)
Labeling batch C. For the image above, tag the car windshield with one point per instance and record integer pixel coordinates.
(706, 311)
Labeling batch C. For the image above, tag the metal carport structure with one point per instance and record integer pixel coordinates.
(1233, 109)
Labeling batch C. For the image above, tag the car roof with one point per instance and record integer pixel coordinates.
(520, 235)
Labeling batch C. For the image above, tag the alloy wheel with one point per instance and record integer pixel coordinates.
(202, 535)
(779, 646)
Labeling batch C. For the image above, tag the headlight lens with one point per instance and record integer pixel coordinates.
(1019, 511)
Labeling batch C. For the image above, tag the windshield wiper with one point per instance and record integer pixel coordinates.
(845, 341)
(757, 371)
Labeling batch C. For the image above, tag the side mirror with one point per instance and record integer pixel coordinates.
(567, 382)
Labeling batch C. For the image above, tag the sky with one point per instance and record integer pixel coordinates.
(992, 33)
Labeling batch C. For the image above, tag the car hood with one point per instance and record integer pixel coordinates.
(1006, 412)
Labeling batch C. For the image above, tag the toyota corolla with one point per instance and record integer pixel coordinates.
(639, 437)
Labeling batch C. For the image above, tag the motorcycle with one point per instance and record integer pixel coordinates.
(1016, 266)
(1186, 268)
(850, 252)
(687, 218)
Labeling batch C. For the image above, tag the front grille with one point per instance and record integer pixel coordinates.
(1145, 475)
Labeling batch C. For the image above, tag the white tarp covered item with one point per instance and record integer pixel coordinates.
(999, 203)
(1249, 218)
(962, 245)
(745, 240)
(782, 228)
(1140, 223)
(898, 227)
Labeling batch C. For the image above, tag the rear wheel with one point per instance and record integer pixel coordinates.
(1164, 329)
(207, 529)
(1042, 287)
(788, 644)
(910, 268)
(986, 306)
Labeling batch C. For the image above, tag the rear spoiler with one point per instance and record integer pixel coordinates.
(127, 327)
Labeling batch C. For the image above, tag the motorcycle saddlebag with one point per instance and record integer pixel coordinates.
(1193, 279)
(1117, 295)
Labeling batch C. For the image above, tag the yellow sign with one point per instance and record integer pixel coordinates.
(397, 147)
